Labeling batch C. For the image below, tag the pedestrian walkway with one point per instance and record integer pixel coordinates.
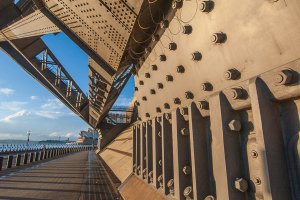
(76, 176)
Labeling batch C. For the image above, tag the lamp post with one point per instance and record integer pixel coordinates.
(28, 135)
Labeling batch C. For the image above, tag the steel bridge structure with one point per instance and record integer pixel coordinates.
(216, 105)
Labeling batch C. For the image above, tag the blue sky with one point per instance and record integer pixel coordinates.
(26, 105)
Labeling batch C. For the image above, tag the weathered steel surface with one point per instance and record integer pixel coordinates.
(227, 75)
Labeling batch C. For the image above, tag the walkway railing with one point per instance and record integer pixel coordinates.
(14, 159)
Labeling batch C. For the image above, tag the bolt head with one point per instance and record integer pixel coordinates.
(147, 115)
(218, 38)
(203, 105)
(158, 109)
(184, 131)
(172, 46)
(136, 88)
(162, 57)
(188, 191)
(196, 56)
(184, 111)
(155, 38)
(206, 86)
(164, 24)
(232, 74)
(160, 86)
(169, 78)
(180, 69)
(154, 67)
(141, 82)
(177, 101)
(152, 91)
(235, 125)
(241, 184)
(177, 4)
(167, 106)
(144, 98)
(168, 116)
(187, 29)
(237, 93)
(210, 198)
(187, 170)
(285, 77)
(206, 6)
(170, 183)
(189, 95)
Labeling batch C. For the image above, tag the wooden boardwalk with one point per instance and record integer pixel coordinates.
(75, 176)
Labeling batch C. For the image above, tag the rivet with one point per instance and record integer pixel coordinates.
(158, 109)
(187, 170)
(232, 74)
(210, 198)
(136, 88)
(172, 46)
(147, 75)
(257, 181)
(218, 38)
(169, 78)
(254, 154)
(170, 185)
(162, 57)
(189, 95)
(148, 50)
(164, 24)
(155, 38)
(152, 91)
(168, 116)
(144, 98)
(147, 115)
(154, 67)
(142, 59)
(141, 82)
(177, 4)
(187, 29)
(285, 77)
(184, 131)
(177, 101)
(184, 111)
(206, 86)
(237, 93)
(196, 56)
(241, 184)
(235, 125)
(188, 192)
(203, 105)
(159, 134)
(160, 86)
(180, 69)
(167, 106)
(158, 119)
(206, 6)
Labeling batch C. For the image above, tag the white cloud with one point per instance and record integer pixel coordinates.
(69, 135)
(34, 97)
(6, 91)
(54, 134)
(123, 101)
(10, 118)
(51, 114)
(14, 136)
(12, 105)
(52, 104)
